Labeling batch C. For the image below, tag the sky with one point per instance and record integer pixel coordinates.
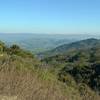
(50, 16)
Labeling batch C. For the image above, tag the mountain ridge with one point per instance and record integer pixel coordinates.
(82, 44)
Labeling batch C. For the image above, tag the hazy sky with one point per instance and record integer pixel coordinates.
(50, 16)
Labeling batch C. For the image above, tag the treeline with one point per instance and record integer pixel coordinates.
(14, 50)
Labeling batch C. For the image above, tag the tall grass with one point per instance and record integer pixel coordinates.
(24, 79)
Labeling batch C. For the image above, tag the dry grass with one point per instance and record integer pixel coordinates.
(20, 81)
(24, 84)
(27, 87)
(8, 98)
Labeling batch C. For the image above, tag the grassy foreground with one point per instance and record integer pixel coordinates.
(23, 77)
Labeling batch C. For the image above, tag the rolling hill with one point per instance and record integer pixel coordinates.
(24, 77)
(82, 44)
(37, 43)
(80, 60)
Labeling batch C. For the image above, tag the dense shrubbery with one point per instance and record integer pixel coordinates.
(83, 65)
(88, 74)
(15, 49)
(2, 47)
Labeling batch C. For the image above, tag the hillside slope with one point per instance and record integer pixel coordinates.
(83, 44)
(81, 64)
(23, 77)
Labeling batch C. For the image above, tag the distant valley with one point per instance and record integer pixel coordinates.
(37, 43)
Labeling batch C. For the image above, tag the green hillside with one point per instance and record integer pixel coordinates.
(24, 77)
(83, 44)
(82, 65)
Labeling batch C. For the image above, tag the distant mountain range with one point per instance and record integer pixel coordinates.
(82, 44)
(37, 43)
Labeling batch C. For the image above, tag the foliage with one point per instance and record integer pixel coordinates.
(82, 65)
(25, 77)
(16, 50)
